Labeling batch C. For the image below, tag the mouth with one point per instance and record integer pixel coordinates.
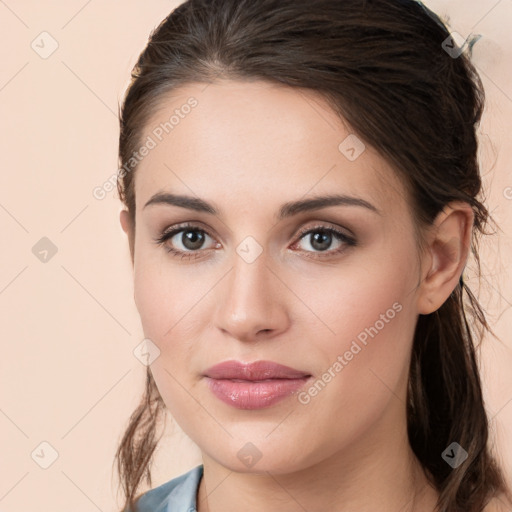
(255, 385)
(257, 371)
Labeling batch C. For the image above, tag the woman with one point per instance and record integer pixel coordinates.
(302, 192)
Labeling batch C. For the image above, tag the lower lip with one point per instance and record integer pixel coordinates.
(255, 394)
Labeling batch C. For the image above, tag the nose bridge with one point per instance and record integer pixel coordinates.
(251, 296)
(248, 284)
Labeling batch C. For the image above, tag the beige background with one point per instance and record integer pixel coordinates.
(69, 325)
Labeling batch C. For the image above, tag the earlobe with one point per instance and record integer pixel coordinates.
(448, 249)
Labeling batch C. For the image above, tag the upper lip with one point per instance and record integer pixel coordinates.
(258, 370)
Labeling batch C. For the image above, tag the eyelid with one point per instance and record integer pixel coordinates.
(325, 225)
(348, 240)
(175, 229)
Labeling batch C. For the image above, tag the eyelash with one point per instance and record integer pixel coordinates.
(166, 235)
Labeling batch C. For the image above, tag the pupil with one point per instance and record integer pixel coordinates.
(320, 238)
(192, 239)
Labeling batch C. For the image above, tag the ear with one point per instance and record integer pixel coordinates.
(129, 229)
(449, 242)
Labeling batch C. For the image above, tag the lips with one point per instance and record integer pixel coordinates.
(255, 385)
(257, 371)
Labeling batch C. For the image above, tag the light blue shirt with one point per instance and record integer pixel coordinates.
(176, 495)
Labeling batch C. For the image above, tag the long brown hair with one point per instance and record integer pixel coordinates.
(387, 67)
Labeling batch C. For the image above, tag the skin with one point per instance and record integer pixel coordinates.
(249, 147)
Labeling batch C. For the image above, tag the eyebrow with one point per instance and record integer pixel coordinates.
(287, 209)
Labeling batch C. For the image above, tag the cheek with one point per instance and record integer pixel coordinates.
(162, 293)
(150, 301)
(173, 304)
(345, 300)
(164, 303)
(161, 299)
(364, 315)
(363, 367)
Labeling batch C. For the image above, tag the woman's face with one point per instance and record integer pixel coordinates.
(245, 285)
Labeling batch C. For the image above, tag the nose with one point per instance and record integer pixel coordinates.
(252, 302)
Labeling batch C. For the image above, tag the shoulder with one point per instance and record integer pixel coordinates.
(176, 494)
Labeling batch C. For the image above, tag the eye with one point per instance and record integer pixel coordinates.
(192, 239)
(320, 238)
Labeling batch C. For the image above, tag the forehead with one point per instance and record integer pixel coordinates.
(243, 141)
